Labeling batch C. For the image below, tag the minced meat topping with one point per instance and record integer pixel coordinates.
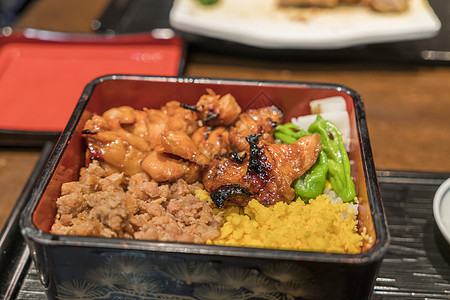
(141, 208)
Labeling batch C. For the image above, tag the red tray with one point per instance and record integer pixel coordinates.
(42, 74)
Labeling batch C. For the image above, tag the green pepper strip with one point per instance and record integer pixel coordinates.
(312, 183)
(339, 173)
(289, 133)
(208, 2)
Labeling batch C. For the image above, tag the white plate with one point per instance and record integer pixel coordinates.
(441, 209)
(262, 23)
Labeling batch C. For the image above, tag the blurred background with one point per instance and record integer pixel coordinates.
(10, 10)
(404, 86)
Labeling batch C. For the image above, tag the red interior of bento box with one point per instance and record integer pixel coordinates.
(293, 100)
(42, 78)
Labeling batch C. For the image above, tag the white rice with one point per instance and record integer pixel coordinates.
(352, 208)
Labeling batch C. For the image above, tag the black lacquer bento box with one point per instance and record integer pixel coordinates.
(101, 268)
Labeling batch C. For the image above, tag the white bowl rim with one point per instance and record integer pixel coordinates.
(441, 216)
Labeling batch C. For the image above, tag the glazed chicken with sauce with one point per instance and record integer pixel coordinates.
(265, 173)
(377, 5)
(214, 110)
(261, 121)
(233, 153)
